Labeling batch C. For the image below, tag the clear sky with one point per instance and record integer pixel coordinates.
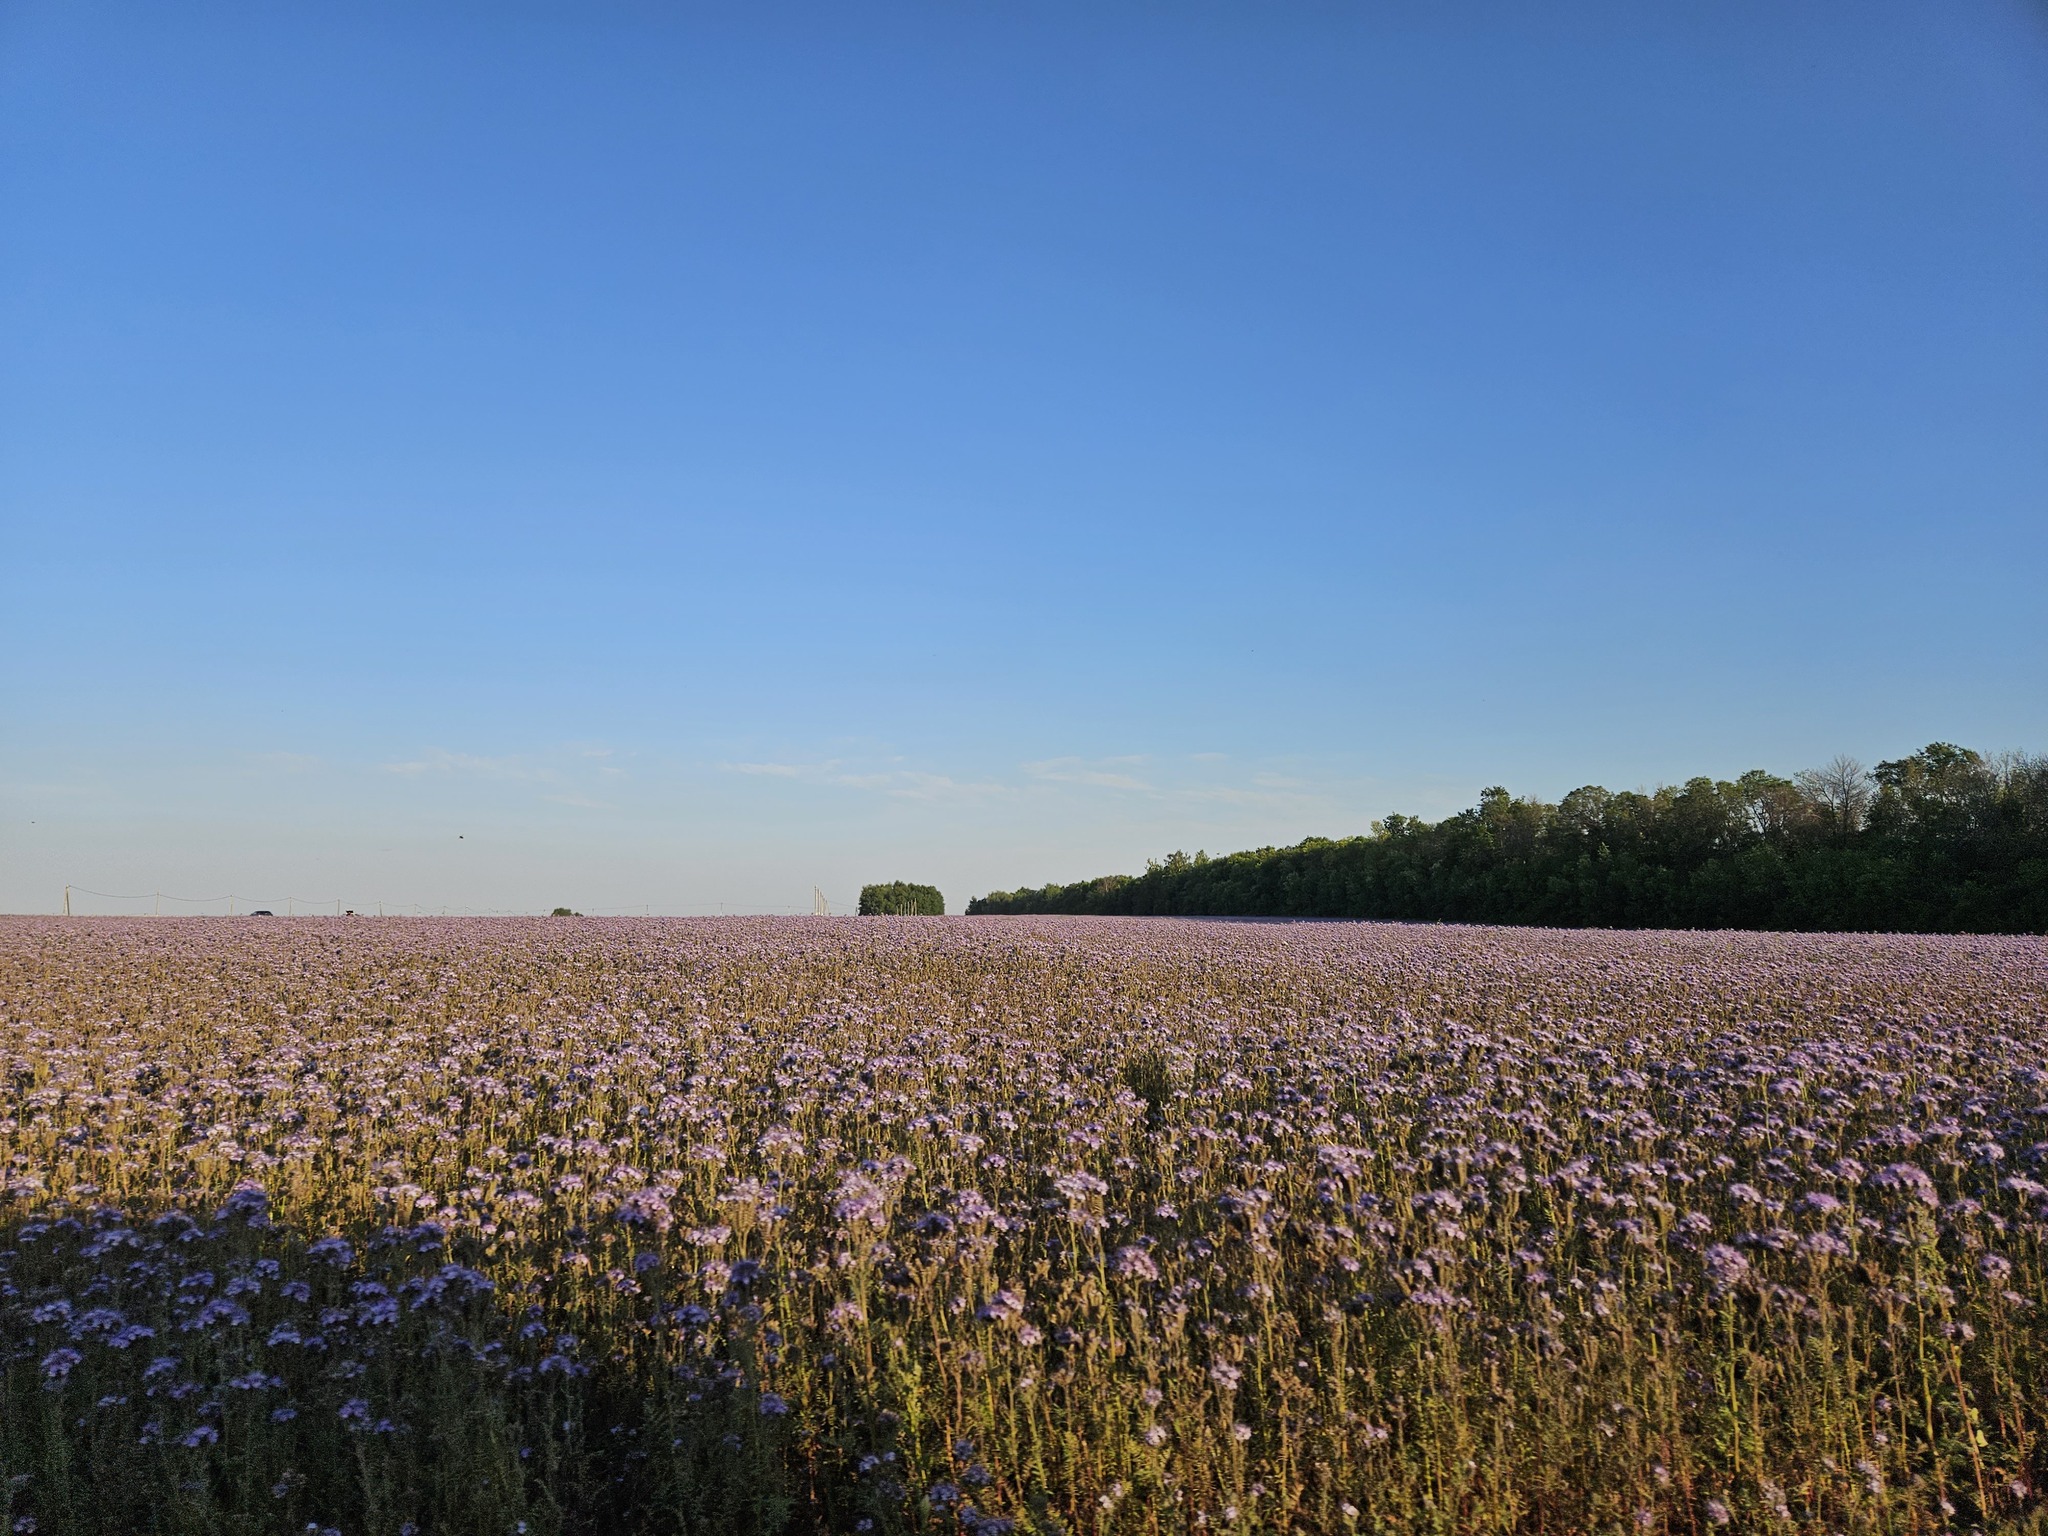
(512, 454)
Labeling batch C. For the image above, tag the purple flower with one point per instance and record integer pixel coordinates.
(248, 1204)
(1725, 1266)
(57, 1363)
(1910, 1180)
(218, 1313)
(331, 1250)
(1134, 1263)
(645, 1208)
(859, 1199)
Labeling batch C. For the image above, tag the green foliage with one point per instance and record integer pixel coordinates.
(899, 898)
(1942, 841)
(564, 912)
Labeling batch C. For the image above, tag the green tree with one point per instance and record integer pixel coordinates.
(899, 898)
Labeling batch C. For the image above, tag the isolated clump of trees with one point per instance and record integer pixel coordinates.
(1944, 840)
(899, 898)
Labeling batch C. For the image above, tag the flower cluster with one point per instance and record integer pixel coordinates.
(1132, 1224)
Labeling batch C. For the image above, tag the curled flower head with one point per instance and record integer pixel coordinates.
(1134, 1263)
(1000, 1308)
(332, 1250)
(248, 1203)
(645, 1208)
(1725, 1266)
(860, 1200)
(58, 1363)
(1909, 1180)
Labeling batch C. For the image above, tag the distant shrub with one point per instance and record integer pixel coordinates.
(899, 898)
(564, 912)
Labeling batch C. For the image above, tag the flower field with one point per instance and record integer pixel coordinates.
(1032, 1225)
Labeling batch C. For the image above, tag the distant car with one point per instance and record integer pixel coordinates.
(263, 912)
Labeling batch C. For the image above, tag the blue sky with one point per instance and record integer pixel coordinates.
(502, 455)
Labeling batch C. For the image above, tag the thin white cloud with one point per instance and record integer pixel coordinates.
(1074, 770)
(565, 774)
(902, 783)
(437, 760)
(911, 785)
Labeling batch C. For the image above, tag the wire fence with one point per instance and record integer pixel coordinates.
(82, 901)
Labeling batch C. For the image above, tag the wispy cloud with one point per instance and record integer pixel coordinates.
(437, 760)
(907, 784)
(901, 783)
(561, 769)
(1102, 773)
(1190, 781)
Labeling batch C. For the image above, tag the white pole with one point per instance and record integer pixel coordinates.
(67, 901)
(159, 905)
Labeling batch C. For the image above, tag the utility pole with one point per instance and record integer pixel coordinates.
(159, 912)
(67, 901)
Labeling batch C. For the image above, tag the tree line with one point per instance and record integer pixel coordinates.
(1946, 840)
